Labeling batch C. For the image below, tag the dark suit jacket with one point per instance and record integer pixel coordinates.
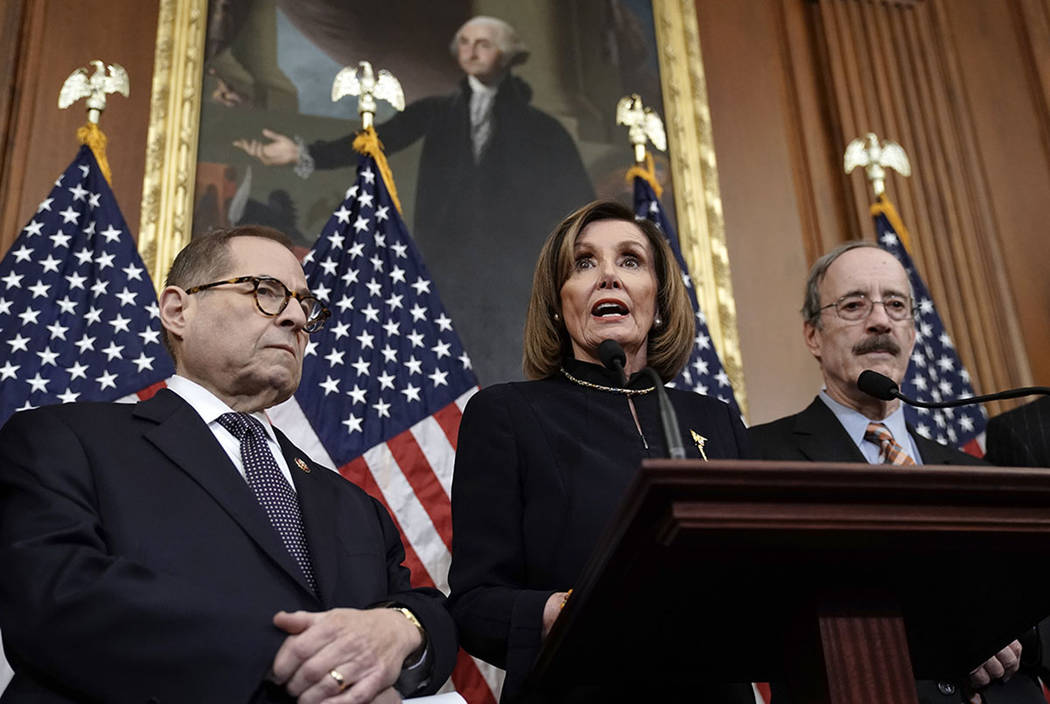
(816, 435)
(139, 567)
(541, 467)
(1021, 437)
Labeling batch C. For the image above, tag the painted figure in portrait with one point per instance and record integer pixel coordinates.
(509, 127)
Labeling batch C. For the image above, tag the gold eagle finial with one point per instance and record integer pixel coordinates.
(94, 87)
(360, 80)
(643, 125)
(875, 158)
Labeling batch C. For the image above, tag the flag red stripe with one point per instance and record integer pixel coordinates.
(466, 676)
(469, 681)
(425, 485)
(356, 470)
(448, 418)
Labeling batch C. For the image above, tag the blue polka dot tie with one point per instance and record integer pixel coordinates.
(271, 488)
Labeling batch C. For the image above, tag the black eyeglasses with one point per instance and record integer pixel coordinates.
(857, 306)
(272, 296)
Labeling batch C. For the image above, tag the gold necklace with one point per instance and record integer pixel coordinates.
(599, 387)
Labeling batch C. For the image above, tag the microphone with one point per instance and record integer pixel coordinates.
(878, 385)
(611, 353)
(613, 358)
(885, 389)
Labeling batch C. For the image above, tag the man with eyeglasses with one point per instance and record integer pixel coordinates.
(182, 549)
(858, 314)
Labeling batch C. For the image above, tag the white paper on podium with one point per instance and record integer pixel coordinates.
(447, 698)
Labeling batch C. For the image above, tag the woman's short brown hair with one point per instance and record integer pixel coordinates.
(547, 340)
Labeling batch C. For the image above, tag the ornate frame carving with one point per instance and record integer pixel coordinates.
(698, 201)
(171, 144)
(171, 156)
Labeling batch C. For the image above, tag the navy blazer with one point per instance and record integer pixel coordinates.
(138, 565)
(816, 435)
(541, 468)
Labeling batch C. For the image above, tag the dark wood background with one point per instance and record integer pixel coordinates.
(963, 85)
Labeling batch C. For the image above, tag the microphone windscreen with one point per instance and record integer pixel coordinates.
(878, 385)
(610, 352)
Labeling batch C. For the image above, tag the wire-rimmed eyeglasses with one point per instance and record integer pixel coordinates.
(272, 296)
(857, 306)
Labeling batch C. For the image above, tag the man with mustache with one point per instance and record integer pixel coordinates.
(857, 315)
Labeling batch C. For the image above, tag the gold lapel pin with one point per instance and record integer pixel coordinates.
(700, 441)
(301, 464)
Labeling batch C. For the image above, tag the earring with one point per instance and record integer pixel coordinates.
(556, 316)
(658, 321)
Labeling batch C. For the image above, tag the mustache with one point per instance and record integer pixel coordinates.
(877, 343)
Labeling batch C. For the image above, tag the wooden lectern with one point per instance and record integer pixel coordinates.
(833, 580)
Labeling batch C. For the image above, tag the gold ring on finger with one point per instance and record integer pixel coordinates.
(339, 679)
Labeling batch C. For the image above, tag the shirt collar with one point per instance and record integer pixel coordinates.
(477, 86)
(207, 405)
(856, 424)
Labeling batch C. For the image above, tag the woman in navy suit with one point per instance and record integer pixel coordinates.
(541, 465)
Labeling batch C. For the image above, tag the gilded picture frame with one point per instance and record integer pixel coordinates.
(168, 187)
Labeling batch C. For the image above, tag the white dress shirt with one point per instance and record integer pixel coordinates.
(209, 408)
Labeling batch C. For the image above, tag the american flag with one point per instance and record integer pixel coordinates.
(78, 312)
(703, 373)
(384, 384)
(935, 372)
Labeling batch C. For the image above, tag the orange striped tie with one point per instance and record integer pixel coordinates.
(889, 451)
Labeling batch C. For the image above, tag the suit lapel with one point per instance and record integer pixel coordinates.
(182, 436)
(821, 437)
(317, 503)
(933, 452)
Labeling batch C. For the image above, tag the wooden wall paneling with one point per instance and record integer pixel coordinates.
(1032, 24)
(1031, 296)
(931, 247)
(965, 312)
(819, 174)
(20, 115)
(1007, 113)
(913, 135)
(757, 163)
(887, 68)
(842, 69)
(976, 231)
(62, 35)
(13, 16)
(993, 329)
(897, 122)
(799, 148)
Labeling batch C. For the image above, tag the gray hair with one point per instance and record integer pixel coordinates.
(811, 302)
(513, 49)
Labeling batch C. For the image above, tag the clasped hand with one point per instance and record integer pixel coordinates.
(365, 648)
